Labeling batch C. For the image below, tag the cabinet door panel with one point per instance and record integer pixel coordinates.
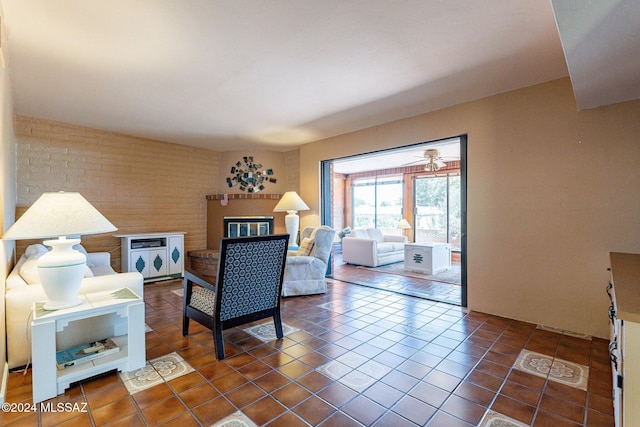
(140, 262)
(158, 262)
(176, 256)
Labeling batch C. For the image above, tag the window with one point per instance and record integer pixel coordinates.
(437, 216)
(377, 203)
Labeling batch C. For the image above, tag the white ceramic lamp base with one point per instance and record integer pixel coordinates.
(291, 224)
(61, 272)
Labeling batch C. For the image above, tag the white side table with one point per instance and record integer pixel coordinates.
(48, 380)
(427, 258)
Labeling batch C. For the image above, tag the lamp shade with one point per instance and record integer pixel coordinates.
(290, 201)
(59, 214)
(60, 270)
(403, 224)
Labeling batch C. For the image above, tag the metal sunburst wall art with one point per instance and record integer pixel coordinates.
(249, 176)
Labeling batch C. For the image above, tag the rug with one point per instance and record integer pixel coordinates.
(452, 276)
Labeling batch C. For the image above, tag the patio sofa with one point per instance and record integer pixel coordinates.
(370, 248)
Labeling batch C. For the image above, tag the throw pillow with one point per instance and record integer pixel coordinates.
(29, 268)
(81, 249)
(35, 251)
(358, 233)
(306, 246)
(375, 234)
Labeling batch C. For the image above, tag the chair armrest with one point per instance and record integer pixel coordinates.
(392, 238)
(193, 276)
(360, 251)
(358, 244)
(300, 260)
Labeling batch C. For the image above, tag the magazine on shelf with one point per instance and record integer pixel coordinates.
(84, 353)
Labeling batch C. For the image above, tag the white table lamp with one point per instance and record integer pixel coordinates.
(62, 269)
(403, 225)
(291, 203)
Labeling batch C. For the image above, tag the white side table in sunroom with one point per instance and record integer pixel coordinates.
(427, 257)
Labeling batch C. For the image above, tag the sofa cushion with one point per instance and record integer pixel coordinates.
(375, 234)
(359, 233)
(387, 247)
(29, 271)
(100, 270)
(397, 246)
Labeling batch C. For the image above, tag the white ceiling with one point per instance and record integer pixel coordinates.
(448, 150)
(258, 74)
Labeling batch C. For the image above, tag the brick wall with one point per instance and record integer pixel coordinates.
(140, 185)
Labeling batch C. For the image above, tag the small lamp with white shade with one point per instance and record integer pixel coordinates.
(403, 225)
(62, 215)
(291, 203)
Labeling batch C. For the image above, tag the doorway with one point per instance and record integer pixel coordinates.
(433, 178)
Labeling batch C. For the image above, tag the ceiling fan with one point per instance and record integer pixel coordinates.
(433, 161)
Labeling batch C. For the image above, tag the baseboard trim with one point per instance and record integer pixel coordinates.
(5, 378)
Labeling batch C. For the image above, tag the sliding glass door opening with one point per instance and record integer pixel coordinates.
(424, 185)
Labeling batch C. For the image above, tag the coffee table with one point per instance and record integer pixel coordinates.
(427, 257)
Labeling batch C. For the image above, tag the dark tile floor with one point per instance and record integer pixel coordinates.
(353, 356)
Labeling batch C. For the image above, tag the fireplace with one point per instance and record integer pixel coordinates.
(254, 207)
(239, 226)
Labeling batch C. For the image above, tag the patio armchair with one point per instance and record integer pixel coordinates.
(306, 269)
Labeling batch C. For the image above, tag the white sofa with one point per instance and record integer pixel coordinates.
(370, 248)
(20, 296)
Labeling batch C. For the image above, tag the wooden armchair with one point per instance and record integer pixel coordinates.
(248, 286)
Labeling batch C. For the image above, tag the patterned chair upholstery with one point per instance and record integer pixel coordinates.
(248, 286)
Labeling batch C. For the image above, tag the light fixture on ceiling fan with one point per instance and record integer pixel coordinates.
(433, 161)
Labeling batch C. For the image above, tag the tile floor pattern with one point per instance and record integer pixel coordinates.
(355, 356)
(411, 285)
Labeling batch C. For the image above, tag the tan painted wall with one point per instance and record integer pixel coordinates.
(140, 185)
(7, 196)
(551, 191)
(292, 166)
